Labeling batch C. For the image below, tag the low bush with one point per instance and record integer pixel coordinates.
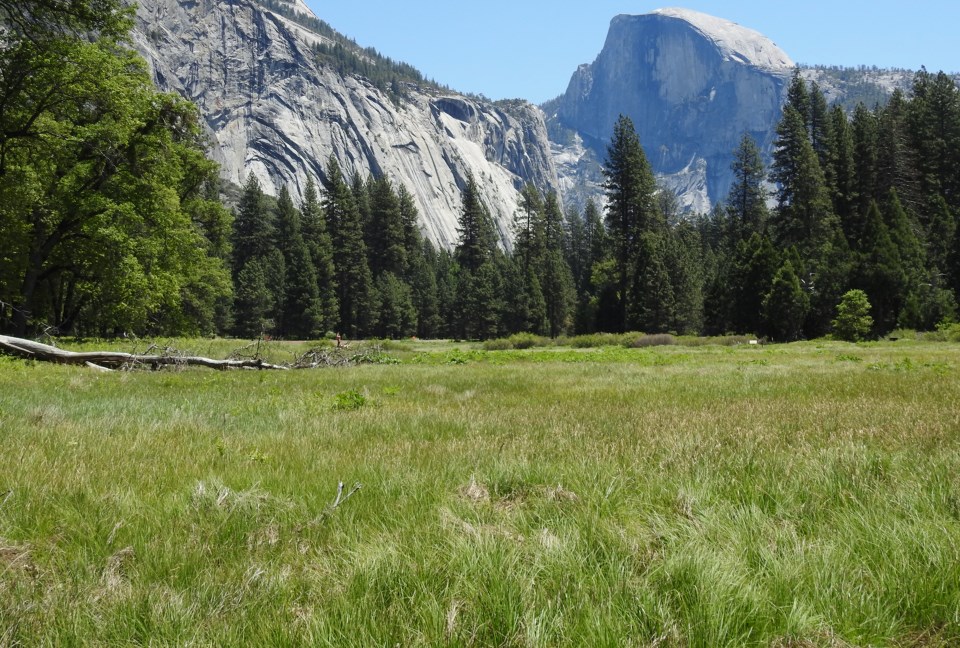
(499, 344)
(903, 334)
(528, 341)
(386, 344)
(596, 340)
(630, 339)
(659, 339)
(348, 401)
(946, 332)
(950, 332)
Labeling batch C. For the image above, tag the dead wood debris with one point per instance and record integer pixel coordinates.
(156, 357)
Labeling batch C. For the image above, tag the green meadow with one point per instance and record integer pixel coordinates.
(788, 496)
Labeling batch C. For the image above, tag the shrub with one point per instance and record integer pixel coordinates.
(853, 320)
(348, 401)
(950, 331)
(528, 340)
(659, 339)
(595, 340)
(630, 339)
(848, 357)
(500, 344)
(903, 334)
(387, 344)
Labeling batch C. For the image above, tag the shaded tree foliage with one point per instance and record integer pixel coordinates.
(104, 184)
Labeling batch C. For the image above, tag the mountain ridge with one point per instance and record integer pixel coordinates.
(281, 91)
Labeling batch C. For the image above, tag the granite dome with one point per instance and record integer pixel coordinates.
(736, 42)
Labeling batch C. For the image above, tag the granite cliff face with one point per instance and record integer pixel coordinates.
(272, 109)
(691, 83)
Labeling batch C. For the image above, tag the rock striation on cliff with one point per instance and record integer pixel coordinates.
(274, 110)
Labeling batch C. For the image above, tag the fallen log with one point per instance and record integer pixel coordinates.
(116, 359)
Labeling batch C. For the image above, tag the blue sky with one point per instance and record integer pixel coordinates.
(529, 49)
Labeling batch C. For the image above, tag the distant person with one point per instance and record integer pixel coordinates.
(338, 341)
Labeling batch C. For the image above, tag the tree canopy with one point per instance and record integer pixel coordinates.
(105, 196)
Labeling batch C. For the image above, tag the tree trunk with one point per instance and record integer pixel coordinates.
(113, 359)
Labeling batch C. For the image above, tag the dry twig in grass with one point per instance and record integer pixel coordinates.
(341, 498)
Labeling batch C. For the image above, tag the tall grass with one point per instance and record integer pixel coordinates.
(668, 496)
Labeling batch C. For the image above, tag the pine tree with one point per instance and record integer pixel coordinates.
(941, 233)
(524, 277)
(477, 302)
(651, 299)
(596, 247)
(386, 238)
(478, 282)
(754, 267)
(929, 300)
(747, 201)
(300, 313)
(423, 284)
(853, 321)
(420, 271)
(685, 265)
(525, 309)
(275, 274)
(410, 224)
(631, 212)
(317, 238)
(359, 188)
(558, 286)
(825, 278)
(896, 163)
(804, 215)
(789, 146)
(355, 290)
(879, 272)
(821, 135)
(528, 229)
(577, 251)
(934, 126)
(398, 316)
(844, 195)
(254, 242)
(785, 306)
(253, 229)
(903, 231)
(864, 129)
(447, 274)
(598, 240)
(477, 238)
(798, 98)
(254, 301)
(933, 119)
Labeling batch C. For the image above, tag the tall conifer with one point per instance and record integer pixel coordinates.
(355, 291)
(320, 246)
(300, 312)
(632, 211)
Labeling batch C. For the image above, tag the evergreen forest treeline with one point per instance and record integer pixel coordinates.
(112, 222)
